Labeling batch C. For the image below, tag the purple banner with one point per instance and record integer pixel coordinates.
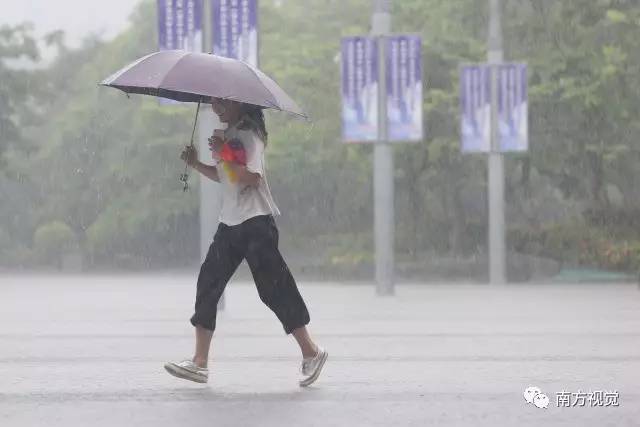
(475, 108)
(404, 88)
(359, 89)
(235, 29)
(180, 24)
(179, 27)
(513, 108)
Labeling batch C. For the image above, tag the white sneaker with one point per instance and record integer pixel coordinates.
(188, 370)
(311, 367)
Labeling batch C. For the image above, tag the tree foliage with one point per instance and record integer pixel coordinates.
(107, 166)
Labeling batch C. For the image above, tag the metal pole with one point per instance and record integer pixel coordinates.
(210, 195)
(383, 163)
(497, 269)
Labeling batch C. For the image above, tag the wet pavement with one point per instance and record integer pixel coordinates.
(80, 351)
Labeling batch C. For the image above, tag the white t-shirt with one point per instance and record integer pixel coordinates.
(241, 202)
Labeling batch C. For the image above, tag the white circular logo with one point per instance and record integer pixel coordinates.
(530, 393)
(541, 400)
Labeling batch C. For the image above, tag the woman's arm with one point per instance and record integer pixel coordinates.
(209, 171)
(190, 155)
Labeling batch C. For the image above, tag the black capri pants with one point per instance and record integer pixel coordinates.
(255, 240)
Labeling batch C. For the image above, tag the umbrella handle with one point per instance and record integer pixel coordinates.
(195, 122)
(184, 177)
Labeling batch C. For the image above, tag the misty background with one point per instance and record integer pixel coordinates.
(89, 178)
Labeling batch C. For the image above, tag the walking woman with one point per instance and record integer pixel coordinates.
(247, 230)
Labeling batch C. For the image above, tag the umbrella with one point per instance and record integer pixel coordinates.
(192, 77)
(196, 77)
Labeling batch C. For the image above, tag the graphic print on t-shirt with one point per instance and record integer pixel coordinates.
(233, 151)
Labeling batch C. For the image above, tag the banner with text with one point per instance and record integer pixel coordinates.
(359, 89)
(513, 118)
(235, 29)
(475, 108)
(404, 88)
(180, 25)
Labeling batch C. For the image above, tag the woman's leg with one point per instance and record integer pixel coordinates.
(203, 343)
(278, 290)
(221, 262)
(307, 346)
(276, 286)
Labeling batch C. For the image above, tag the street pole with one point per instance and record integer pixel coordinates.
(210, 196)
(497, 270)
(383, 163)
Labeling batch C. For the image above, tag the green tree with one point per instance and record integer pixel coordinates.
(107, 165)
(52, 241)
(16, 43)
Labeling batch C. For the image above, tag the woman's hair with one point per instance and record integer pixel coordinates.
(253, 119)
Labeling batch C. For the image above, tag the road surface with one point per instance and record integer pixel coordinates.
(89, 351)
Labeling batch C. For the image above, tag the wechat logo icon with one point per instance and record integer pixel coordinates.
(536, 396)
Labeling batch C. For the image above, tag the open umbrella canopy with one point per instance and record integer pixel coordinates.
(194, 77)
